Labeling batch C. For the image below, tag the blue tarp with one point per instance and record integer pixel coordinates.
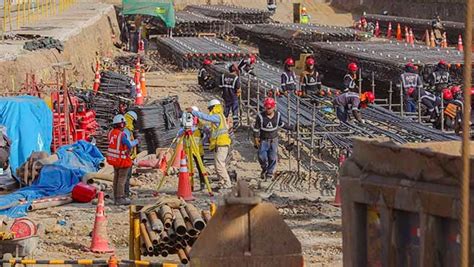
(29, 124)
(56, 179)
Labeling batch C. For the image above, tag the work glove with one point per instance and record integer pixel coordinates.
(239, 92)
(256, 143)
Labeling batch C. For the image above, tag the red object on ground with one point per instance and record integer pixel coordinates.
(83, 193)
(184, 184)
(23, 227)
(100, 239)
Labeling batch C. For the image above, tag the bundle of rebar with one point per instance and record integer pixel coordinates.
(419, 26)
(116, 84)
(189, 52)
(166, 230)
(234, 14)
(191, 24)
(387, 59)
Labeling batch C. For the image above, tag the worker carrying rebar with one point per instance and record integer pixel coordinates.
(288, 77)
(409, 79)
(246, 65)
(440, 78)
(265, 133)
(350, 79)
(310, 79)
(219, 140)
(430, 101)
(131, 118)
(304, 16)
(230, 85)
(351, 101)
(205, 79)
(118, 155)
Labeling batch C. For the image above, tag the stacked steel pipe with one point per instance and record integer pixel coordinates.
(386, 59)
(189, 52)
(116, 84)
(167, 230)
(234, 14)
(419, 26)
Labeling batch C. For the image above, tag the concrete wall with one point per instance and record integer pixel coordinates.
(452, 10)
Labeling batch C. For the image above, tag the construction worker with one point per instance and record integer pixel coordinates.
(438, 29)
(230, 84)
(205, 79)
(271, 5)
(288, 77)
(352, 101)
(304, 17)
(118, 155)
(409, 79)
(453, 108)
(219, 140)
(246, 65)
(350, 79)
(430, 101)
(310, 79)
(440, 78)
(265, 133)
(130, 118)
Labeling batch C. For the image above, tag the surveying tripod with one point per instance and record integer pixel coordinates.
(192, 151)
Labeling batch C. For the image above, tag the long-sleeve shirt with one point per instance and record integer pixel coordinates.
(126, 136)
(207, 117)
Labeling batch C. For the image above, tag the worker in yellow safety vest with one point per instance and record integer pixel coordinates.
(304, 17)
(219, 141)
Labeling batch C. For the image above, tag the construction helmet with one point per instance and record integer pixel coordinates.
(289, 62)
(233, 67)
(303, 9)
(472, 90)
(447, 95)
(207, 62)
(410, 91)
(352, 67)
(118, 119)
(252, 59)
(194, 108)
(368, 97)
(442, 63)
(455, 90)
(213, 102)
(269, 102)
(310, 61)
(132, 114)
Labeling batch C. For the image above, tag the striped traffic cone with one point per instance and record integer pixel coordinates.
(407, 35)
(399, 32)
(412, 37)
(427, 38)
(100, 242)
(389, 30)
(143, 83)
(460, 45)
(138, 90)
(377, 29)
(184, 184)
(96, 81)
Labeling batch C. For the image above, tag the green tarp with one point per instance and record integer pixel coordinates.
(163, 9)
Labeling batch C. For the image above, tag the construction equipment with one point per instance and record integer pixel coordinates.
(245, 238)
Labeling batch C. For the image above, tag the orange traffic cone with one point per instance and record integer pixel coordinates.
(113, 261)
(460, 45)
(138, 90)
(399, 32)
(427, 38)
(184, 185)
(337, 198)
(389, 30)
(143, 83)
(179, 149)
(444, 43)
(96, 81)
(407, 35)
(412, 37)
(432, 40)
(100, 242)
(377, 29)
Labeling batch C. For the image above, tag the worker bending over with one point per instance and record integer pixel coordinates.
(440, 78)
(409, 79)
(130, 118)
(310, 80)
(230, 85)
(350, 84)
(246, 65)
(288, 77)
(430, 101)
(205, 79)
(219, 141)
(265, 132)
(118, 155)
(351, 101)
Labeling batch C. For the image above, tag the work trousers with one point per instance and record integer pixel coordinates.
(268, 155)
(410, 105)
(234, 107)
(220, 156)
(341, 113)
(120, 177)
(127, 182)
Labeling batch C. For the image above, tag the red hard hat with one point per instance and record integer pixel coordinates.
(447, 95)
(352, 67)
(310, 61)
(253, 59)
(472, 90)
(289, 62)
(442, 62)
(409, 65)
(370, 97)
(455, 90)
(269, 102)
(207, 62)
(410, 91)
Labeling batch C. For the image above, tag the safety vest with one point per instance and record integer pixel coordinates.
(197, 135)
(304, 19)
(118, 154)
(219, 134)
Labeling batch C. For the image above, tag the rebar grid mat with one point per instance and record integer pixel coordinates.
(233, 14)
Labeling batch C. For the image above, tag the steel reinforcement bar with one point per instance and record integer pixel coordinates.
(234, 14)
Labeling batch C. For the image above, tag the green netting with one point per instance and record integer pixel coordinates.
(163, 9)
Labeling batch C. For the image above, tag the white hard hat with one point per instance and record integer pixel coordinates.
(213, 102)
(194, 108)
(133, 114)
(118, 119)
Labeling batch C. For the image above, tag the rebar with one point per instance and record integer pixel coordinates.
(233, 14)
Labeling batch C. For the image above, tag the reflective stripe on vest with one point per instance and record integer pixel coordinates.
(288, 80)
(231, 86)
(275, 127)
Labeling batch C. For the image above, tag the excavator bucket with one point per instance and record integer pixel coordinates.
(246, 232)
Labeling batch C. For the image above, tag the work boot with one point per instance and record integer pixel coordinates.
(123, 201)
(268, 177)
(262, 174)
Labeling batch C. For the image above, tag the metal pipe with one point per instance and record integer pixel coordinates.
(465, 198)
(289, 134)
(248, 102)
(298, 149)
(401, 100)
(373, 83)
(311, 149)
(195, 217)
(178, 223)
(360, 81)
(442, 113)
(258, 97)
(419, 104)
(146, 237)
(48, 203)
(390, 93)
